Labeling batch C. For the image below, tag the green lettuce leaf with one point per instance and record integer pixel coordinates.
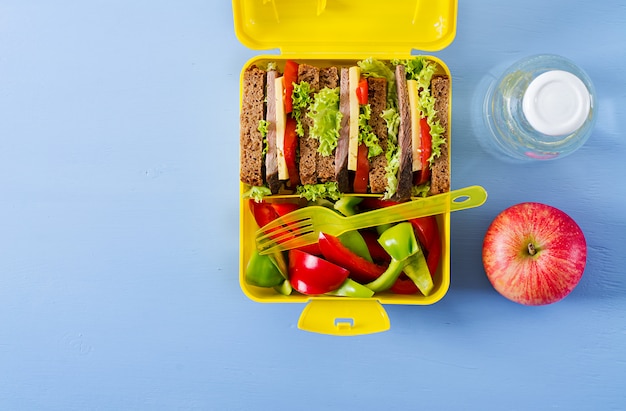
(315, 192)
(324, 111)
(372, 67)
(392, 118)
(263, 124)
(391, 169)
(420, 190)
(301, 98)
(366, 133)
(257, 193)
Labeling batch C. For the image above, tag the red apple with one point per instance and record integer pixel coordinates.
(534, 254)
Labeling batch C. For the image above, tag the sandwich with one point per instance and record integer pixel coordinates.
(375, 127)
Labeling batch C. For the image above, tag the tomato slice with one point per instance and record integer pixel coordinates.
(290, 76)
(361, 175)
(291, 151)
(362, 91)
(360, 269)
(309, 274)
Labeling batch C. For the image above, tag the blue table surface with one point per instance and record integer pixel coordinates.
(119, 227)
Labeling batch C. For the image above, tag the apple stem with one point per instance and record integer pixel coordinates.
(531, 249)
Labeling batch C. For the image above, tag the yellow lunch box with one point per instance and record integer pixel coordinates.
(325, 32)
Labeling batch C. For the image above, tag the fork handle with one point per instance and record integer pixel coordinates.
(461, 199)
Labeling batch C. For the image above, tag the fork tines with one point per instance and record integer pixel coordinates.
(280, 233)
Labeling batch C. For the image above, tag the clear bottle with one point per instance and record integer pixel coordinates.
(542, 107)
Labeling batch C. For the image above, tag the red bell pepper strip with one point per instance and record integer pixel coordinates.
(362, 91)
(426, 229)
(404, 285)
(378, 253)
(360, 269)
(361, 175)
(312, 275)
(266, 212)
(291, 148)
(427, 232)
(263, 212)
(290, 76)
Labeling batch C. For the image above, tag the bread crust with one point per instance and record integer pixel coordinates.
(250, 138)
(308, 146)
(329, 78)
(440, 170)
(377, 99)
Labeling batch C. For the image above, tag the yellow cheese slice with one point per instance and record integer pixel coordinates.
(416, 138)
(283, 174)
(353, 142)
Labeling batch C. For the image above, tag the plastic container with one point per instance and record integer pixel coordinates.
(330, 32)
(541, 108)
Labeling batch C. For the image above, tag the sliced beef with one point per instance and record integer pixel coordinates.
(405, 170)
(271, 160)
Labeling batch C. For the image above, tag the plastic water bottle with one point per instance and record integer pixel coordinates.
(542, 107)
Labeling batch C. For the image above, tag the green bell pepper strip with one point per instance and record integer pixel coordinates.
(351, 288)
(263, 271)
(383, 227)
(284, 288)
(388, 278)
(354, 241)
(406, 256)
(399, 241)
(346, 205)
(417, 270)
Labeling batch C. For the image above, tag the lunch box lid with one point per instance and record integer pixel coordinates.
(327, 27)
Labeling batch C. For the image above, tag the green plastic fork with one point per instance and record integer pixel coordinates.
(303, 226)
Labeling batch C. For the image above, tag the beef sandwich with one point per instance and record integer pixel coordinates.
(378, 127)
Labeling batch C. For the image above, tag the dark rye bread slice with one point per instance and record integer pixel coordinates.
(271, 159)
(405, 143)
(250, 138)
(377, 98)
(329, 78)
(440, 170)
(308, 146)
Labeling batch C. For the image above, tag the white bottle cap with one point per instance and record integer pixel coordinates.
(556, 103)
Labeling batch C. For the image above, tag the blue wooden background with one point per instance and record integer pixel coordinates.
(119, 227)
